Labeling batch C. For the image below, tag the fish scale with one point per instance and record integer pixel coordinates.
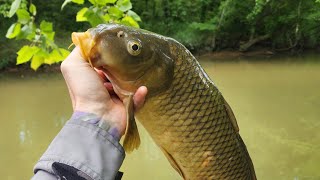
(194, 128)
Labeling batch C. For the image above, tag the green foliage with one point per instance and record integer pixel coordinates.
(106, 11)
(42, 49)
(9, 7)
(33, 9)
(203, 26)
(14, 7)
(124, 5)
(13, 31)
(198, 24)
(23, 16)
(222, 24)
(26, 53)
(68, 1)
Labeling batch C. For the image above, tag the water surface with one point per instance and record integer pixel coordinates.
(277, 105)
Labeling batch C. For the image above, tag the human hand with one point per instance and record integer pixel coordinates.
(90, 93)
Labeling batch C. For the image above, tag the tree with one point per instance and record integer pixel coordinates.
(41, 48)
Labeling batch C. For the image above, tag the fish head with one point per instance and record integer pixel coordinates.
(129, 57)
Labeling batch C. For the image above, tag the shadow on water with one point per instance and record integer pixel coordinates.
(276, 102)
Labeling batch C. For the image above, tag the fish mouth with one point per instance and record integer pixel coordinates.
(104, 74)
(85, 40)
(110, 83)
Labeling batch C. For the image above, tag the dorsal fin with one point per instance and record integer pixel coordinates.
(231, 115)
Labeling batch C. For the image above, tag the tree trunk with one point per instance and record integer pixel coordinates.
(247, 45)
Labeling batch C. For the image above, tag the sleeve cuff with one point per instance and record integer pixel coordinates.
(86, 147)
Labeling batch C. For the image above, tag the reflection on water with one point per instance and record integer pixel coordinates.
(276, 104)
(30, 109)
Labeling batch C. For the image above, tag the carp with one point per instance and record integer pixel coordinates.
(184, 112)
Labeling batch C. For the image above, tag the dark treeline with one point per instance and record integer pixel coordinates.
(237, 24)
(208, 25)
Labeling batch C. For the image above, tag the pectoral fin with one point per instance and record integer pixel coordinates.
(131, 139)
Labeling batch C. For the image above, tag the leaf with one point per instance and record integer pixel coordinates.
(46, 26)
(114, 12)
(106, 18)
(64, 54)
(124, 5)
(65, 3)
(93, 2)
(111, 1)
(38, 59)
(14, 7)
(129, 21)
(26, 53)
(13, 31)
(49, 35)
(93, 17)
(36, 62)
(33, 9)
(134, 15)
(74, 1)
(101, 2)
(57, 55)
(23, 16)
(27, 32)
(78, 1)
(47, 41)
(81, 15)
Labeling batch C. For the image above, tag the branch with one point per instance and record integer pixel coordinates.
(247, 45)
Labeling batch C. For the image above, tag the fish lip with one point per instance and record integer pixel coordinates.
(105, 72)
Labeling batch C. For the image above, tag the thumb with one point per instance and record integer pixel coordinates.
(66, 65)
(82, 80)
(74, 59)
(139, 97)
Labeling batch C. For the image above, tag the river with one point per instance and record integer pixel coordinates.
(276, 103)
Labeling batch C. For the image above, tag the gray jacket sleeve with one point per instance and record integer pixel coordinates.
(84, 149)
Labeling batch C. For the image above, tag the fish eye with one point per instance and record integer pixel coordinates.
(134, 48)
(121, 34)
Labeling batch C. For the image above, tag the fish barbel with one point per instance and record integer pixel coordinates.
(184, 112)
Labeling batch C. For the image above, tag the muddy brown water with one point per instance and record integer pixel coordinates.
(276, 102)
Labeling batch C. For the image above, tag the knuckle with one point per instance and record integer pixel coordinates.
(64, 66)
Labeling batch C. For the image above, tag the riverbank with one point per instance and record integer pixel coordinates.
(25, 70)
(225, 56)
(230, 54)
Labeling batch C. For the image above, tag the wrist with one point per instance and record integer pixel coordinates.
(99, 121)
